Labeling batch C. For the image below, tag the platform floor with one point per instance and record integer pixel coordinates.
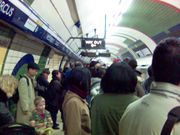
(60, 131)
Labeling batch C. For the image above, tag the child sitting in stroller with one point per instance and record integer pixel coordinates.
(41, 119)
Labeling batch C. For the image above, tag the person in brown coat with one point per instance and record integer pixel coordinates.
(75, 109)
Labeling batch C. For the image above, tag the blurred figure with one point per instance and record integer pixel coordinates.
(75, 109)
(42, 82)
(26, 91)
(95, 84)
(148, 114)
(41, 119)
(118, 85)
(8, 84)
(139, 89)
(54, 95)
(78, 64)
(93, 66)
(147, 83)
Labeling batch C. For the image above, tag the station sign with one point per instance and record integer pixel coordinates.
(6, 10)
(92, 43)
(12, 14)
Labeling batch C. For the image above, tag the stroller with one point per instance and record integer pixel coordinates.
(17, 129)
(22, 129)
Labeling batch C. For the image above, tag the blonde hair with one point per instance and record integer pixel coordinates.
(8, 84)
(38, 99)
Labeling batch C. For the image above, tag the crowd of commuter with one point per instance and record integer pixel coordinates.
(98, 100)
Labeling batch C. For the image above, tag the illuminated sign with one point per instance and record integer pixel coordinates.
(92, 43)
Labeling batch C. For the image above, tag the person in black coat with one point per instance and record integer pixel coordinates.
(42, 82)
(8, 84)
(54, 96)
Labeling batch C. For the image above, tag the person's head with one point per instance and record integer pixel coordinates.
(46, 73)
(119, 78)
(8, 84)
(92, 64)
(33, 69)
(133, 63)
(81, 77)
(56, 74)
(72, 65)
(39, 103)
(166, 61)
(78, 64)
(126, 60)
(99, 72)
(98, 65)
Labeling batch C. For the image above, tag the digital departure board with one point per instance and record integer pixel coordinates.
(92, 43)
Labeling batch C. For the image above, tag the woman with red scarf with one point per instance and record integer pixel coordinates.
(75, 108)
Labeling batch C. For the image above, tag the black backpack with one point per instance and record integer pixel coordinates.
(173, 118)
(15, 97)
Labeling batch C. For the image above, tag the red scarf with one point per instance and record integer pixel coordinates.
(81, 93)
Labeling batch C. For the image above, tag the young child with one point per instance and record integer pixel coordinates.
(41, 119)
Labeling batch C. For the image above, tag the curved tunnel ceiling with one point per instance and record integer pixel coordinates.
(150, 17)
(142, 21)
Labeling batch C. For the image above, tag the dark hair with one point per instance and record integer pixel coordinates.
(54, 73)
(46, 70)
(81, 78)
(133, 63)
(166, 61)
(99, 72)
(119, 78)
(78, 64)
(33, 65)
(93, 63)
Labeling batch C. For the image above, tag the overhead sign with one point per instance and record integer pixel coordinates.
(92, 43)
(92, 54)
(88, 54)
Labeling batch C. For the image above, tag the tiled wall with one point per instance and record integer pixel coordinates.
(13, 48)
(21, 46)
(6, 35)
(4, 43)
(53, 62)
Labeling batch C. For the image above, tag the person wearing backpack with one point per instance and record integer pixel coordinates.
(148, 115)
(26, 92)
